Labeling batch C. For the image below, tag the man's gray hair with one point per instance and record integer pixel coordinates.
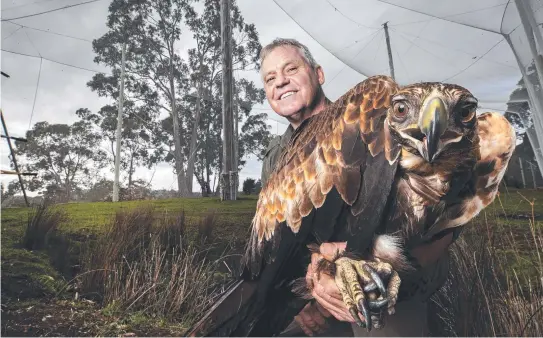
(279, 42)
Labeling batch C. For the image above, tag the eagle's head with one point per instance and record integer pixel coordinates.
(428, 118)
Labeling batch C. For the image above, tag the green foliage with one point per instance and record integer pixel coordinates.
(249, 186)
(65, 156)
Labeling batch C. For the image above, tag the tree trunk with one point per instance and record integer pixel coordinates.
(181, 186)
(194, 136)
(130, 170)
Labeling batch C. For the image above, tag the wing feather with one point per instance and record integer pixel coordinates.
(497, 141)
(327, 151)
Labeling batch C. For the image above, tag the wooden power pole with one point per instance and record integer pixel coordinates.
(229, 173)
(13, 158)
(390, 61)
(115, 197)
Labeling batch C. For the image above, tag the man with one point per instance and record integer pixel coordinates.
(293, 85)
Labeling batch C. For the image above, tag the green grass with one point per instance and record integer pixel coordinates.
(32, 274)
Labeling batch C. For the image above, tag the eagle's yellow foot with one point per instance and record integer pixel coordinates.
(361, 285)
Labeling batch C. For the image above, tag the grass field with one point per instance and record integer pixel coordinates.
(42, 295)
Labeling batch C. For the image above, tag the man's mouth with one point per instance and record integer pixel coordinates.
(287, 94)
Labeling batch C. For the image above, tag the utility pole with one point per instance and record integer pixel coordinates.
(522, 172)
(13, 158)
(229, 173)
(115, 197)
(390, 61)
(236, 131)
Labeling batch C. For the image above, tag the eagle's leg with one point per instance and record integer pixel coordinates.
(361, 285)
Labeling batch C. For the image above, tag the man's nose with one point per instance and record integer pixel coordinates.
(281, 80)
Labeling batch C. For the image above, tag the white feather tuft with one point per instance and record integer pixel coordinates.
(388, 248)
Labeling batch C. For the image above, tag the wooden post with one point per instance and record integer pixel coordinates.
(13, 158)
(115, 197)
(522, 172)
(390, 61)
(229, 173)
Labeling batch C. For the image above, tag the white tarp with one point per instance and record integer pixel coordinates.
(484, 45)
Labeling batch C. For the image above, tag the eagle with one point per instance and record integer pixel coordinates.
(384, 168)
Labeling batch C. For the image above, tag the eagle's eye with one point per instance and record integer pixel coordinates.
(400, 110)
(467, 113)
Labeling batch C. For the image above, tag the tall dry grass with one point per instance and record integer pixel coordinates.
(495, 285)
(42, 221)
(144, 262)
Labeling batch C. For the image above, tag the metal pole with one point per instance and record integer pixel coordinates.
(13, 158)
(522, 173)
(115, 197)
(525, 14)
(533, 174)
(390, 61)
(229, 173)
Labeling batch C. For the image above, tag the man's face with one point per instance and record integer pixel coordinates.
(291, 84)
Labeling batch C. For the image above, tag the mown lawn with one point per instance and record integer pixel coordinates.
(35, 283)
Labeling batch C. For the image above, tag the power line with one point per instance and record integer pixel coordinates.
(49, 32)
(58, 62)
(474, 62)
(51, 10)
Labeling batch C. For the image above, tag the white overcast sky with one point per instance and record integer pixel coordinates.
(62, 89)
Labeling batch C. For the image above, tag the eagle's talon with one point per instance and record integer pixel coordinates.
(378, 304)
(376, 279)
(363, 308)
(357, 319)
(369, 288)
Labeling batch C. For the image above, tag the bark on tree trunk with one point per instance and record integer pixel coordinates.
(194, 135)
(181, 182)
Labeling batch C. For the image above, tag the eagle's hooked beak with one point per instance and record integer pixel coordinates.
(433, 123)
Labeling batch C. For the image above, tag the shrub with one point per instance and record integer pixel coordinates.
(248, 186)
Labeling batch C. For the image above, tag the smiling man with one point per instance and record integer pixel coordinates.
(293, 84)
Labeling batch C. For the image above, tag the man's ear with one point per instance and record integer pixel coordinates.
(320, 75)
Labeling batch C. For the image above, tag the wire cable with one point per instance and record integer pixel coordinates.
(35, 94)
(437, 17)
(320, 44)
(15, 31)
(19, 6)
(450, 15)
(350, 19)
(50, 11)
(49, 32)
(474, 62)
(58, 62)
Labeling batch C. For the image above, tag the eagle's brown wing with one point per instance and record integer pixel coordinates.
(497, 141)
(324, 153)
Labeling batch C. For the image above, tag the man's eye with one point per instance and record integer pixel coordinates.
(270, 79)
(291, 69)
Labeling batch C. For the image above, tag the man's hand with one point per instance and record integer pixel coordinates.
(312, 319)
(325, 290)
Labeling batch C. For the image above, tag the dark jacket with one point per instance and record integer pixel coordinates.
(276, 146)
